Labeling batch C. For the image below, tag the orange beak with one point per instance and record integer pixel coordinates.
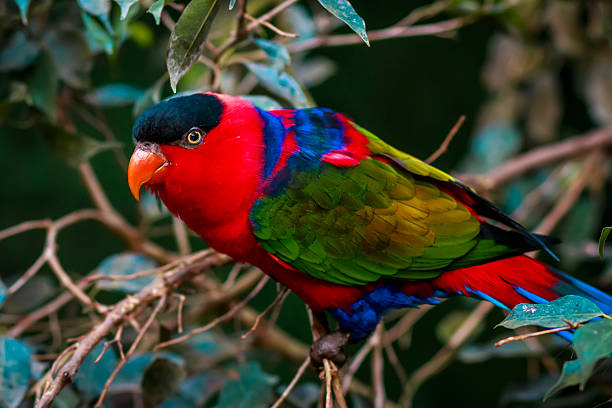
(147, 165)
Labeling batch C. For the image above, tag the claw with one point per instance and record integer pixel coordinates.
(331, 347)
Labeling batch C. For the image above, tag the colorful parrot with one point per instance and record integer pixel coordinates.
(350, 224)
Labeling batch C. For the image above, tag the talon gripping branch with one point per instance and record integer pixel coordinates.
(350, 224)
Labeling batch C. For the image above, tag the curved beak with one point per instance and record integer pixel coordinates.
(147, 165)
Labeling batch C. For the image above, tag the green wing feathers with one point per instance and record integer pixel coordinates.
(382, 218)
(355, 225)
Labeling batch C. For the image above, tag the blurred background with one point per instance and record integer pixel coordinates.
(525, 73)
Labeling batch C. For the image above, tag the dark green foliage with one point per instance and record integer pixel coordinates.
(92, 376)
(251, 389)
(188, 37)
(162, 378)
(14, 372)
(125, 264)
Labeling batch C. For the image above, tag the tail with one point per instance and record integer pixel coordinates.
(520, 279)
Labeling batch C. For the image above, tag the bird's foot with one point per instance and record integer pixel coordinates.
(331, 347)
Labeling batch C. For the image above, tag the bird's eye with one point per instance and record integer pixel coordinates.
(194, 136)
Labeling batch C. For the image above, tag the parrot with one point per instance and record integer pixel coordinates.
(350, 224)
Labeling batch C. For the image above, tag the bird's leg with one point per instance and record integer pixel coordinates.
(331, 347)
(326, 345)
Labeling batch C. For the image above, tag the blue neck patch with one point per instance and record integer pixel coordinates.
(274, 135)
(317, 131)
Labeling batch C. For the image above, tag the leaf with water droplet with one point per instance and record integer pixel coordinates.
(232, 3)
(343, 10)
(570, 309)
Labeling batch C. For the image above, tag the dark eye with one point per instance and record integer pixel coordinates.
(194, 136)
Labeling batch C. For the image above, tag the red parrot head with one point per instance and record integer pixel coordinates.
(201, 154)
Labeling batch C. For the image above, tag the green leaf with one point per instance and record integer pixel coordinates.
(195, 391)
(71, 55)
(602, 240)
(162, 379)
(115, 95)
(14, 372)
(276, 52)
(23, 10)
(232, 3)
(188, 37)
(91, 377)
(570, 375)
(18, 53)
(156, 10)
(130, 376)
(98, 8)
(252, 389)
(343, 10)
(97, 37)
(43, 86)
(314, 71)
(592, 342)
(125, 6)
(263, 102)
(300, 22)
(74, 148)
(282, 85)
(558, 313)
(3, 293)
(124, 265)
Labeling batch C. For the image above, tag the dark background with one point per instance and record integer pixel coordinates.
(408, 91)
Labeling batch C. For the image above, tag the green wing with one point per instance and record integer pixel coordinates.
(355, 225)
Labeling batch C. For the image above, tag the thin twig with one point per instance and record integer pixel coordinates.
(444, 355)
(293, 383)
(270, 14)
(542, 157)
(180, 234)
(444, 146)
(23, 227)
(271, 27)
(378, 367)
(570, 196)
(277, 301)
(384, 34)
(535, 334)
(328, 380)
(160, 304)
(223, 318)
